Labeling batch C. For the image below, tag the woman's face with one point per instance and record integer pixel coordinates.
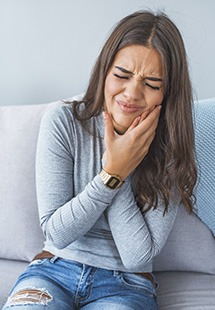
(133, 85)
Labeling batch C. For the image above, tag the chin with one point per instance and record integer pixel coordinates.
(121, 128)
(122, 123)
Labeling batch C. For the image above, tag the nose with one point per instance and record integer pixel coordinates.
(133, 91)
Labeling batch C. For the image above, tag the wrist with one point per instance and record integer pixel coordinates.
(112, 181)
(113, 170)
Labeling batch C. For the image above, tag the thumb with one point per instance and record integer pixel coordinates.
(108, 126)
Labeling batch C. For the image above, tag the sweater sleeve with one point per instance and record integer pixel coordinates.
(138, 237)
(63, 217)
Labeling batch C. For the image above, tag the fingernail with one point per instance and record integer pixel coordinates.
(138, 119)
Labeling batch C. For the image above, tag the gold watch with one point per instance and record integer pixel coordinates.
(112, 181)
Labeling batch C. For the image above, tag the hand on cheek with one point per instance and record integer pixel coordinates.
(125, 152)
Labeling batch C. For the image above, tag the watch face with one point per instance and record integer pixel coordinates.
(113, 182)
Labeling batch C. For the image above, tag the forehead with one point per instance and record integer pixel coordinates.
(140, 60)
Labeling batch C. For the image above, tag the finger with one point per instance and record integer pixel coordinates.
(138, 119)
(148, 144)
(154, 112)
(108, 126)
(144, 115)
(150, 120)
(134, 123)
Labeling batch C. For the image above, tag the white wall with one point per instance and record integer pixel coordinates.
(47, 47)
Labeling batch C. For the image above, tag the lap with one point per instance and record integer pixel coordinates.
(63, 284)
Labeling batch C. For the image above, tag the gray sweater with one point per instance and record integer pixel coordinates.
(82, 219)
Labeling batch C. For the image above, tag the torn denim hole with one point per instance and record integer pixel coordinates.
(36, 296)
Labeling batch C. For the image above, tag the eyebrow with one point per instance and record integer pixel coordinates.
(124, 70)
(151, 78)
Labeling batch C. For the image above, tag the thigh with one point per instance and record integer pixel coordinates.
(139, 293)
(107, 306)
(122, 303)
(121, 291)
(36, 292)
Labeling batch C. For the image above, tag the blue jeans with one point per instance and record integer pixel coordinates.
(60, 284)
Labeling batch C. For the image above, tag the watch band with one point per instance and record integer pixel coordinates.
(112, 181)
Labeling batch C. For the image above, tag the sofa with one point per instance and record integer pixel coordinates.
(185, 268)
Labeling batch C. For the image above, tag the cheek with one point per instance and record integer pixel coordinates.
(111, 87)
(160, 98)
(155, 98)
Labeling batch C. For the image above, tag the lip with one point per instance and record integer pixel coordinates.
(129, 107)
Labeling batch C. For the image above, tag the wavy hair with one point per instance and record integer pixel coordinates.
(170, 162)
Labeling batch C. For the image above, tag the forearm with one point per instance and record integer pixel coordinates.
(73, 219)
(138, 238)
(128, 228)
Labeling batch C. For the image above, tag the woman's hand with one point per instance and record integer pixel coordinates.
(125, 152)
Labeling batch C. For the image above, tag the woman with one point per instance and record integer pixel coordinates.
(111, 170)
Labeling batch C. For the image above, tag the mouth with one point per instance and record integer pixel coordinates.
(129, 108)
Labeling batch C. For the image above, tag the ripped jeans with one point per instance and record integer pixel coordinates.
(63, 284)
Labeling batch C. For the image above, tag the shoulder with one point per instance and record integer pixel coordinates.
(59, 117)
(58, 125)
(58, 111)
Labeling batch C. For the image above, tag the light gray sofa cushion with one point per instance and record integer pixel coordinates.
(20, 234)
(204, 120)
(189, 247)
(9, 272)
(186, 291)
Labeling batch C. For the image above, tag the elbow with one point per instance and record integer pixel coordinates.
(132, 265)
(54, 238)
(56, 242)
(135, 264)
(137, 261)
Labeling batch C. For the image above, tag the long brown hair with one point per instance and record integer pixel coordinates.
(170, 162)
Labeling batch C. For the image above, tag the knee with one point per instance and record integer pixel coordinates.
(29, 296)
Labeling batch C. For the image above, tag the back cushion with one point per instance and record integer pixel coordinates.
(191, 244)
(204, 122)
(20, 234)
(189, 247)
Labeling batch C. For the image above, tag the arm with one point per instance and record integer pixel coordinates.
(138, 237)
(64, 218)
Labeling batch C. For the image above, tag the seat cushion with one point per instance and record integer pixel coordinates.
(186, 291)
(9, 272)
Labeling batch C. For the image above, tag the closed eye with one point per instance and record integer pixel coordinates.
(151, 86)
(120, 76)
